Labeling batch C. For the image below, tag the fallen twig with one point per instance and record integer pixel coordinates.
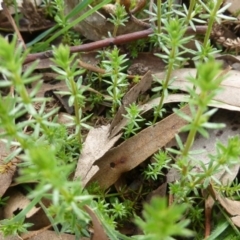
(108, 42)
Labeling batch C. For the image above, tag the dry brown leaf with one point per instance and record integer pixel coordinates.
(234, 7)
(96, 26)
(16, 202)
(51, 235)
(232, 207)
(228, 60)
(60, 86)
(39, 220)
(159, 192)
(31, 234)
(209, 203)
(136, 149)
(149, 61)
(9, 237)
(6, 170)
(208, 146)
(99, 233)
(65, 119)
(131, 96)
(236, 220)
(231, 85)
(171, 98)
(6, 180)
(96, 145)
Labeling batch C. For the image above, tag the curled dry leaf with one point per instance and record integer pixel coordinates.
(96, 145)
(232, 207)
(17, 202)
(99, 233)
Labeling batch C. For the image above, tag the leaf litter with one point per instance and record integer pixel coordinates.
(104, 160)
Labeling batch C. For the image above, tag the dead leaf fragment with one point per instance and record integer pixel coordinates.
(51, 235)
(149, 61)
(5, 181)
(7, 170)
(17, 202)
(99, 233)
(232, 207)
(234, 7)
(96, 145)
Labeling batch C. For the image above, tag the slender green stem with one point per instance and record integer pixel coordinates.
(76, 110)
(190, 10)
(115, 30)
(211, 22)
(115, 97)
(159, 12)
(21, 88)
(165, 84)
(192, 133)
(170, 8)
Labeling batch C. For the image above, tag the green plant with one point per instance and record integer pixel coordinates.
(136, 47)
(167, 221)
(208, 82)
(114, 66)
(153, 170)
(39, 148)
(49, 151)
(118, 18)
(173, 45)
(12, 227)
(133, 116)
(68, 71)
(65, 22)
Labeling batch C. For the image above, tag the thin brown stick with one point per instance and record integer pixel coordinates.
(11, 20)
(97, 69)
(208, 213)
(108, 42)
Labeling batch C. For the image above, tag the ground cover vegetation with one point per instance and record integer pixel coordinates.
(93, 144)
